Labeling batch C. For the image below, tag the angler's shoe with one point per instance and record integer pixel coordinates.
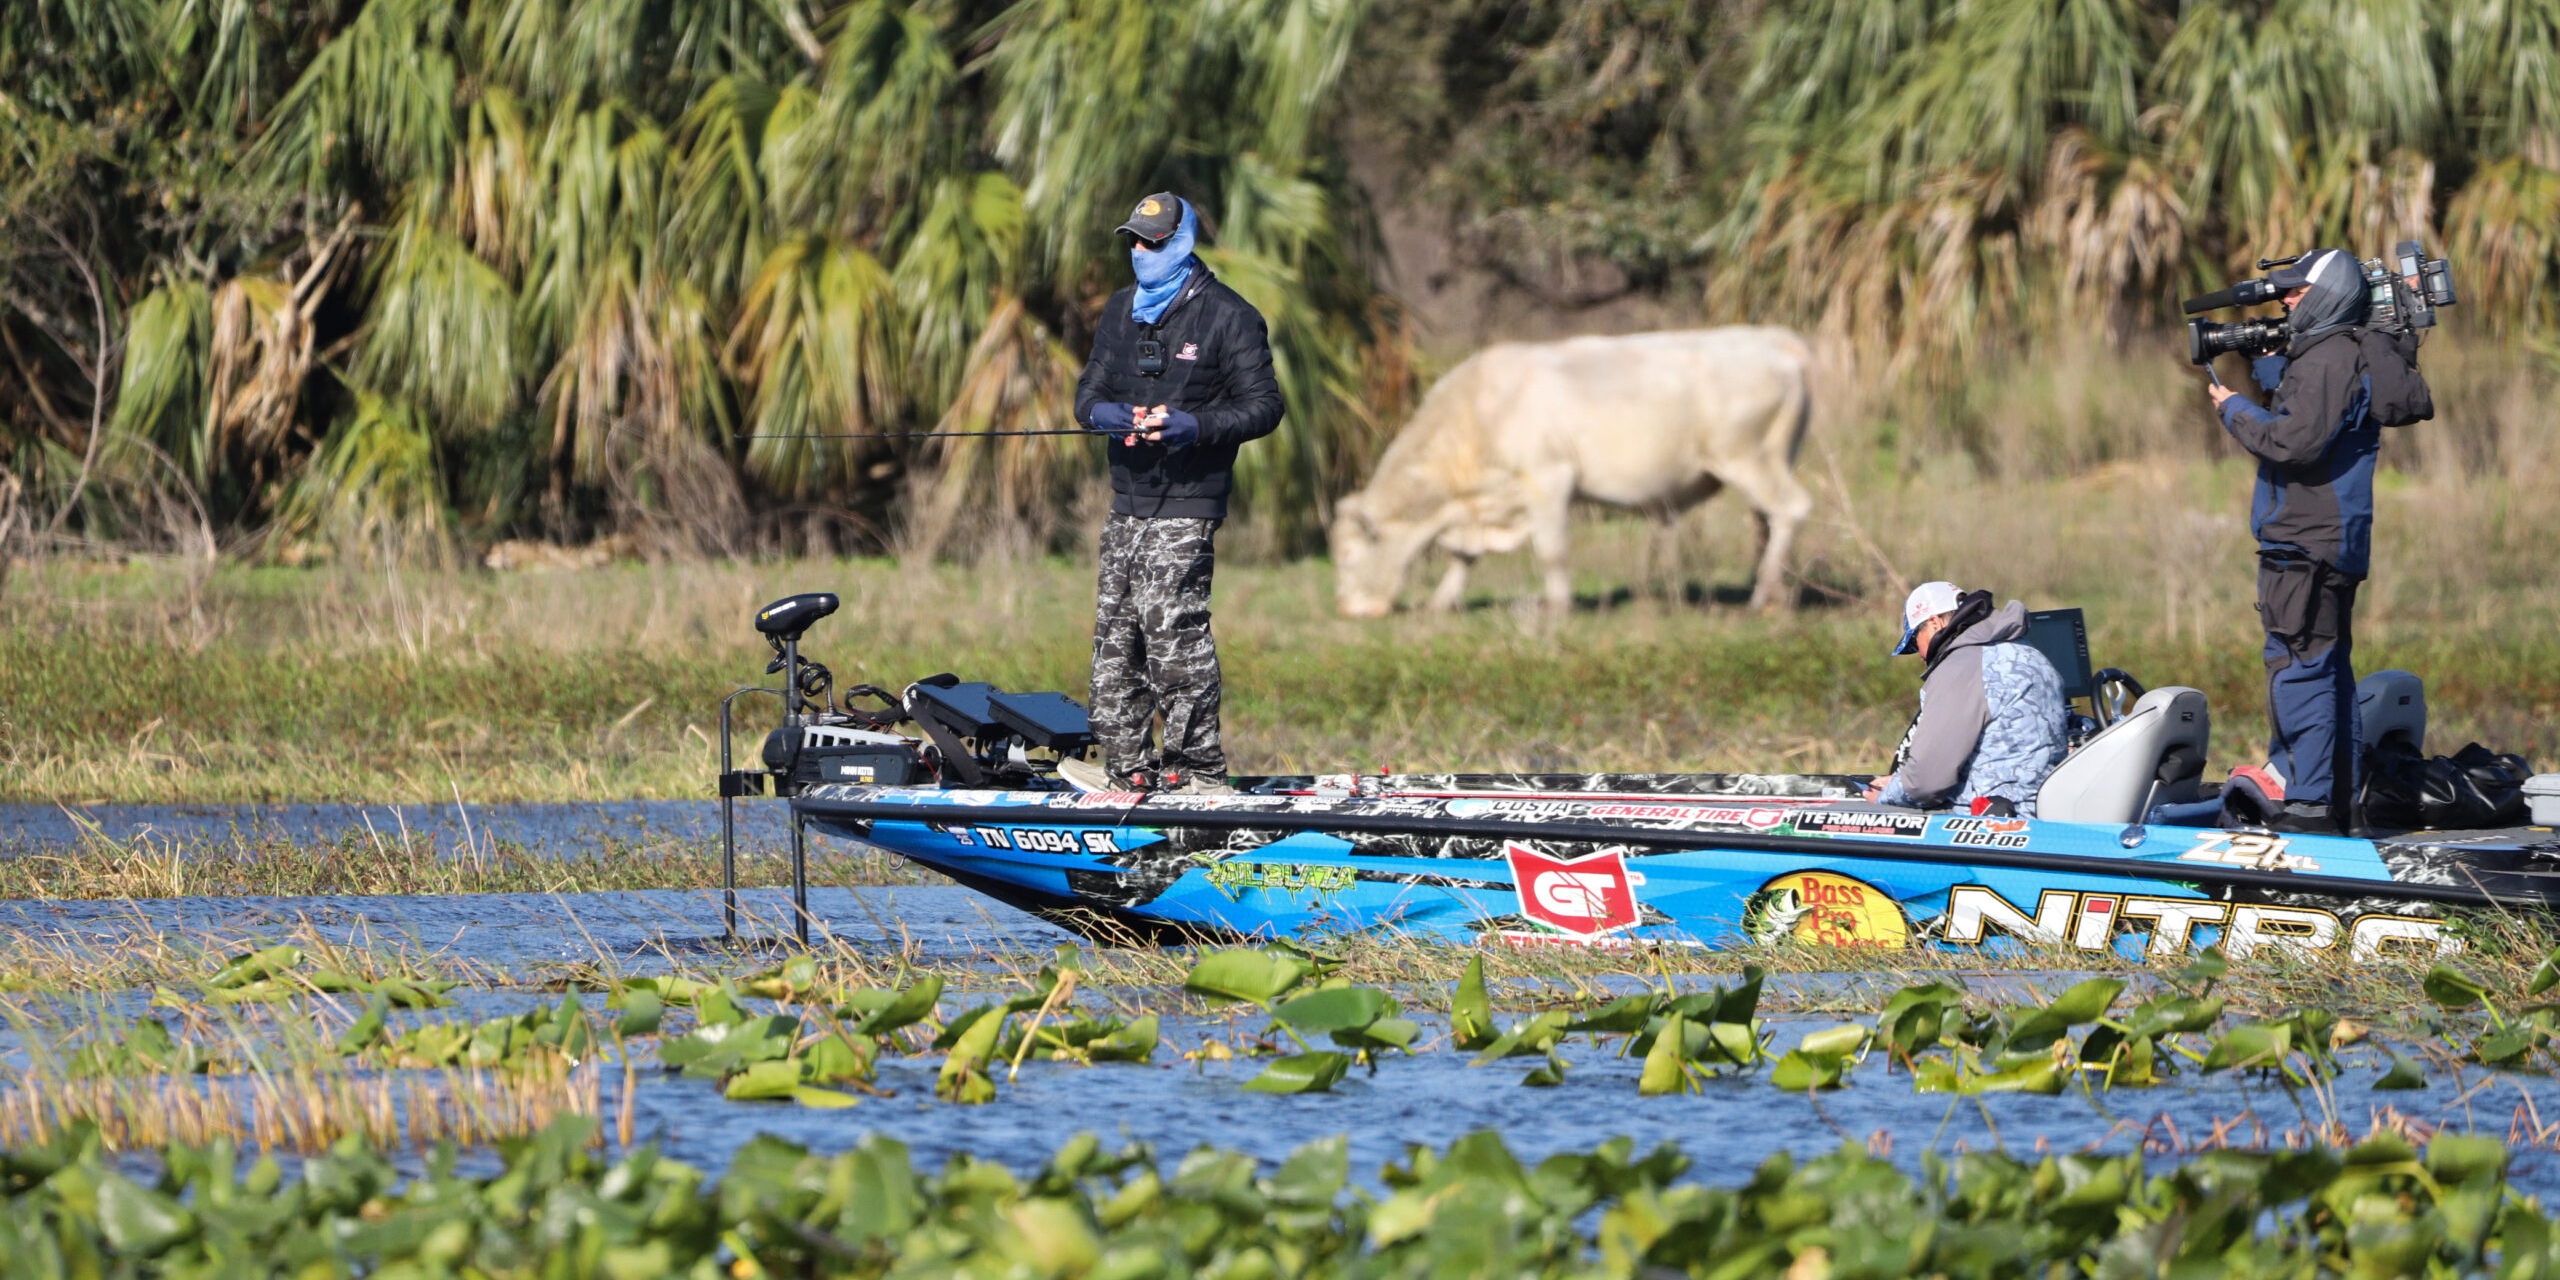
(1200, 785)
(2298, 818)
(1083, 775)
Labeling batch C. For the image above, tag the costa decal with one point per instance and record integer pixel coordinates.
(2247, 849)
(1887, 826)
(2096, 922)
(1583, 897)
(1826, 908)
(1985, 833)
(1516, 807)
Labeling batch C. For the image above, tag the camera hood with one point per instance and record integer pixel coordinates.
(2247, 293)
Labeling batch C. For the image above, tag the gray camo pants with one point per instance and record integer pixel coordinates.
(1153, 653)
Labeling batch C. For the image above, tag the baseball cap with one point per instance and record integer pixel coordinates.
(1926, 601)
(1156, 217)
(2315, 265)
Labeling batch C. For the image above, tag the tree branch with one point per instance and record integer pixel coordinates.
(97, 378)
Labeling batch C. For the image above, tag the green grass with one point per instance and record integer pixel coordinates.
(393, 864)
(151, 682)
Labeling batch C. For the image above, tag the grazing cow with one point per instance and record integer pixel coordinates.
(1503, 444)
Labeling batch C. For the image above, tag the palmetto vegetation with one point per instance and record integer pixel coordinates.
(276, 272)
(1930, 177)
(382, 267)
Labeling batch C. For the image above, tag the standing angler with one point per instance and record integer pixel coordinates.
(1180, 376)
(2313, 516)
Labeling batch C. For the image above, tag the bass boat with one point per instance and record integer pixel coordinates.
(2125, 854)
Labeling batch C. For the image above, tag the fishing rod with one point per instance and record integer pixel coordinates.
(921, 435)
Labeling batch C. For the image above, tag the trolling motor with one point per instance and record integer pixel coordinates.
(974, 734)
(783, 623)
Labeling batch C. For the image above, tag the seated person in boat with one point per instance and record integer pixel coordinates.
(1991, 723)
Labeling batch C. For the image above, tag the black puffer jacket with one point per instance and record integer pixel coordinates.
(1217, 367)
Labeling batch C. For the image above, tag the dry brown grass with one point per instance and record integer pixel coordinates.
(2094, 480)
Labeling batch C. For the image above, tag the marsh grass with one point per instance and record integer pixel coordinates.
(274, 1079)
(239, 864)
(135, 952)
(305, 1108)
(415, 686)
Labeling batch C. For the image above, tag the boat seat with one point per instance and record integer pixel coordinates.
(2393, 705)
(2153, 755)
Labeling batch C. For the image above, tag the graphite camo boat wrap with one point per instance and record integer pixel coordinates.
(1706, 860)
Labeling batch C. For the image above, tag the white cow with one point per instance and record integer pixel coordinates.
(1505, 443)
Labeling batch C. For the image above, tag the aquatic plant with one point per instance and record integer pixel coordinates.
(2384, 1206)
(1362, 1019)
(275, 973)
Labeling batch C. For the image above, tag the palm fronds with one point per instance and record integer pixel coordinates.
(577, 247)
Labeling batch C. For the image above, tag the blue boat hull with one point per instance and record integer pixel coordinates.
(1440, 858)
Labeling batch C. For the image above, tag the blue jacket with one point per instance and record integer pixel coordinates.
(2315, 449)
(1991, 721)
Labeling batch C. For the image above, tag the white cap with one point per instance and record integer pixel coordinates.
(1927, 601)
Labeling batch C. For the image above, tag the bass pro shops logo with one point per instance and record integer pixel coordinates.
(1581, 897)
(1825, 908)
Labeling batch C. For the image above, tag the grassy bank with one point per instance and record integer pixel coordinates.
(148, 681)
(373, 864)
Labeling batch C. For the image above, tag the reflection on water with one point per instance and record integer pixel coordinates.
(633, 928)
(559, 828)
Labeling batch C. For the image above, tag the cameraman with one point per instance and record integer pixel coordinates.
(2315, 442)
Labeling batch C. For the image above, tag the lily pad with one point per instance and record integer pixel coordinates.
(1301, 1073)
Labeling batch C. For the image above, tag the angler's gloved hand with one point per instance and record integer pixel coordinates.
(2269, 370)
(1177, 429)
(1113, 419)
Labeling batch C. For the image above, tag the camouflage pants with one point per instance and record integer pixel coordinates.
(1152, 650)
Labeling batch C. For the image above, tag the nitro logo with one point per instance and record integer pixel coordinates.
(1584, 897)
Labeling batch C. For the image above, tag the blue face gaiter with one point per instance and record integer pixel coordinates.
(1163, 271)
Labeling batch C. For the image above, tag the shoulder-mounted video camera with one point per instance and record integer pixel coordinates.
(2401, 296)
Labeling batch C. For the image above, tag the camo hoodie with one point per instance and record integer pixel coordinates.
(1991, 721)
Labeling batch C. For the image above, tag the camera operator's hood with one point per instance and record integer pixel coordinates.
(2336, 300)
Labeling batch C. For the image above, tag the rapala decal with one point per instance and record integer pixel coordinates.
(2251, 850)
(2094, 922)
(1233, 877)
(1825, 908)
(1581, 897)
(1101, 799)
(1985, 833)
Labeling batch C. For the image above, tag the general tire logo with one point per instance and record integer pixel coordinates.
(1583, 897)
